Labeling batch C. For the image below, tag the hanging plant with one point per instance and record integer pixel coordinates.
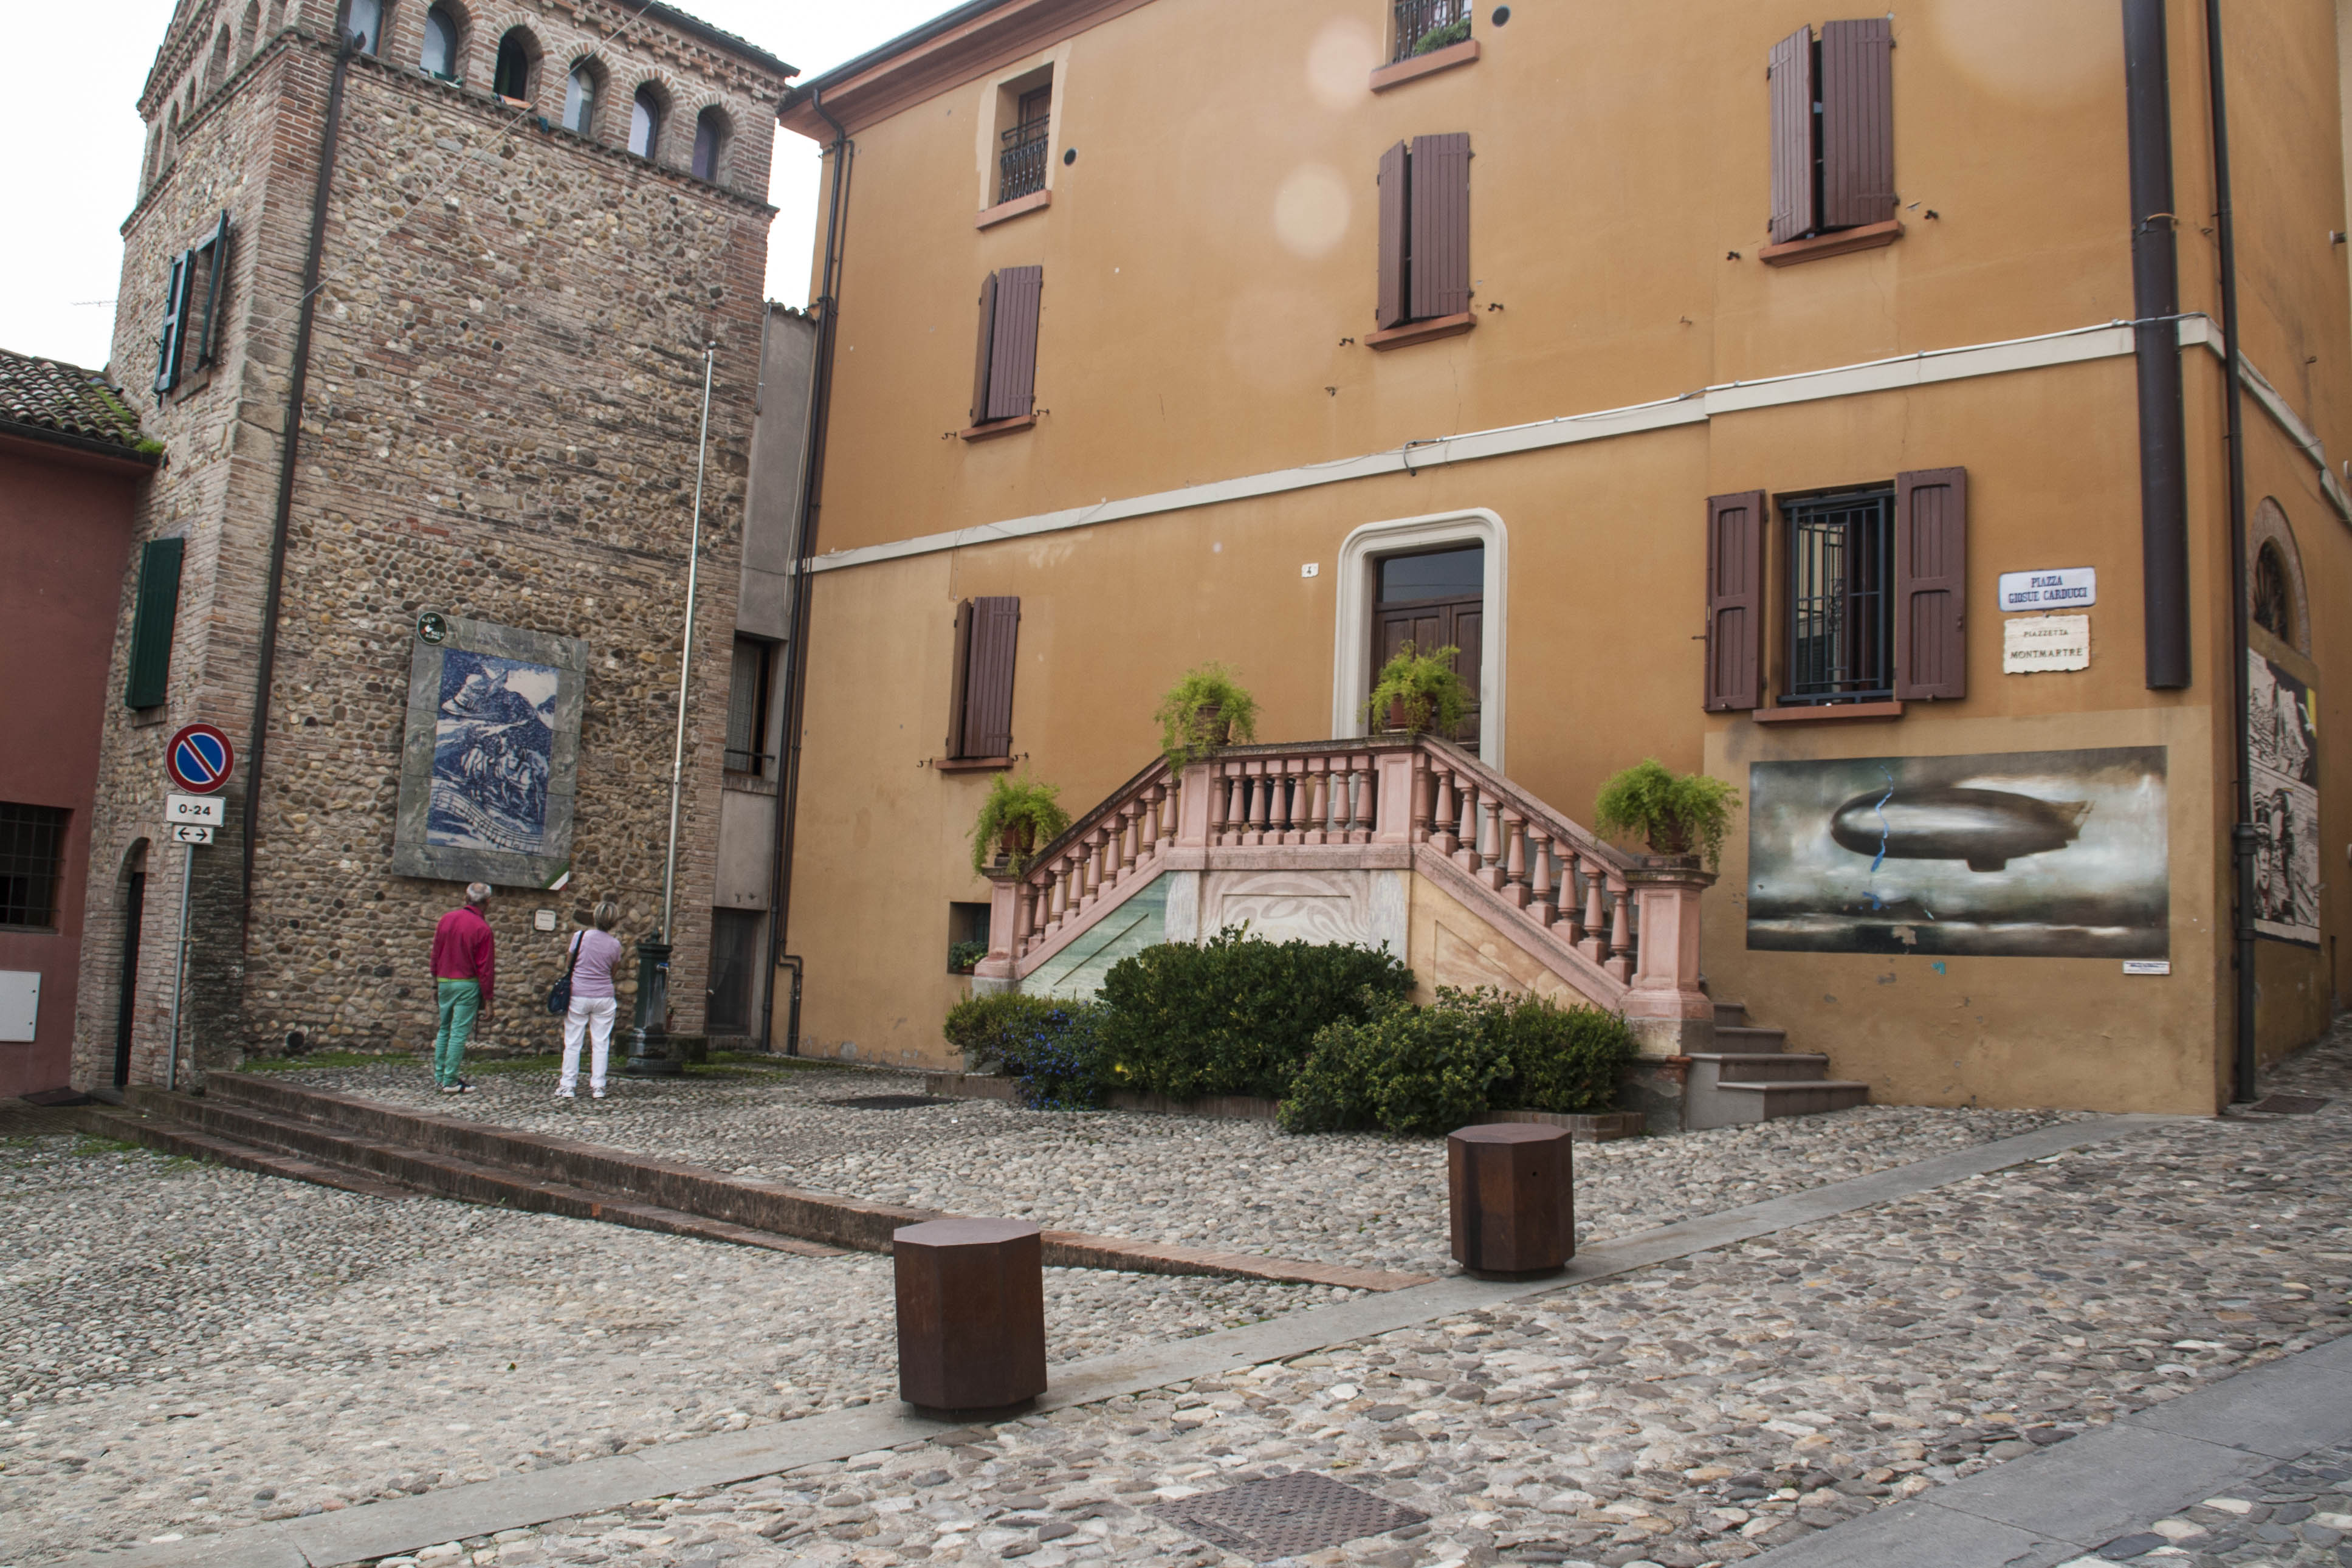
(1203, 712)
(1418, 692)
(1019, 817)
(1674, 814)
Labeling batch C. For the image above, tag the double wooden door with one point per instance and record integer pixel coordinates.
(1444, 619)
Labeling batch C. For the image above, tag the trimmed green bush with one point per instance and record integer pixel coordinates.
(1237, 1014)
(1433, 1070)
(1674, 814)
(1050, 1047)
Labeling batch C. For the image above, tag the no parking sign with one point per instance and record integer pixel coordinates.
(199, 759)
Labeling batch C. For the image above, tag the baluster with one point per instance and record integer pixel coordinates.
(1424, 791)
(1020, 919)
(1131, 827)
(1236, 820)
(1278, 821)
(1540, 899)
(1621, 933)
(1261, 788)
(1088, 875)
(1318, 807)
(1590, 938)
(1058, 891)
(1447, 816)
(1365, 781)
(1511, 878)
(1471, 829)
(1164, 837)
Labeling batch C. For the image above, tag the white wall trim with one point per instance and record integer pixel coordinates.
(2076, 345)
(1352, 636)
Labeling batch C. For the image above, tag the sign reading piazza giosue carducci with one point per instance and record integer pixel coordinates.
(490, 760)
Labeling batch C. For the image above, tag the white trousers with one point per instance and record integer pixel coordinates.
(586, 1015)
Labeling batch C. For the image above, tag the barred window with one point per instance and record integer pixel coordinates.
(32, 858)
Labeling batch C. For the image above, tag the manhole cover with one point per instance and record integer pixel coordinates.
(888, 1101)
(2289, 1104)
(1285, 1516)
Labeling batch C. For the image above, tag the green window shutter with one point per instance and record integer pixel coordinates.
(177, 294)
(151, 622)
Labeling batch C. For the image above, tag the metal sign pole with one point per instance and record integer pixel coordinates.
(686, 651)
(180, 964)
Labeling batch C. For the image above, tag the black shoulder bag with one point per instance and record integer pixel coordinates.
(558, 996)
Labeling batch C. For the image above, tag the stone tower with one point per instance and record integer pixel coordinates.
(533, 216)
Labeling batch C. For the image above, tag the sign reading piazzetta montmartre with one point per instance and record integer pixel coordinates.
(2030, 644)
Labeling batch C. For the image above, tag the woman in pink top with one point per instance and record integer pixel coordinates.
(592, 1005)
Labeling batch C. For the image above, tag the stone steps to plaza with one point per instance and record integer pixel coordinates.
(1755, 1078)
(261, 1123)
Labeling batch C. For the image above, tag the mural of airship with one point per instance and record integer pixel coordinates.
(1986, 827)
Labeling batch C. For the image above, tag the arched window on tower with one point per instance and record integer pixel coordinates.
(512, 79)
(439, 56)
(364, 22)
(644, 122)
(709, 143)
(246, 26)
(2273, 595)
(216, 68)
(580, 100)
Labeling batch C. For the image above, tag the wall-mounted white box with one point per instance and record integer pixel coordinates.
(20, 1005)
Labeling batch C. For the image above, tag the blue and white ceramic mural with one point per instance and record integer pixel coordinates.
(493, 737)
(2027, 853)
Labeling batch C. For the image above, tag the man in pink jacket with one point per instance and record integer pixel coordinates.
(465, 972)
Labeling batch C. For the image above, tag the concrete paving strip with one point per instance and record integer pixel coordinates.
(407, 1524)
(2069, 1500)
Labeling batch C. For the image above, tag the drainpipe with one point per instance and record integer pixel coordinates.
(266, 663)
(2156, 334)
(2242, 832)
(804, 546)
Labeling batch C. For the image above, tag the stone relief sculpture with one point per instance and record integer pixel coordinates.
(2282, 715)
(491, 753)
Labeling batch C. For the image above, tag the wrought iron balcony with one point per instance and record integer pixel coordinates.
(1021, 166)
(1425, 25)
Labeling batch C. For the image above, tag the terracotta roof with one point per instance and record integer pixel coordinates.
(48, 395)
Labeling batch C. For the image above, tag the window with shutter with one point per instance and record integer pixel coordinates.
(1004, 369)
(1424, 240)
(1735, 602)
(1931, 585)
(175, 320)
(1389, 310)
(979, 719)
(213, 259)
(153, 620)
(1832, 131)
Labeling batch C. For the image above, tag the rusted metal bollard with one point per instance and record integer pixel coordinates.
(1511, 1188)
(971, 1314)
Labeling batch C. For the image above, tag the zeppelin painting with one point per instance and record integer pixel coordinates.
(2015, 854)
(492, 747)
(2282, 726)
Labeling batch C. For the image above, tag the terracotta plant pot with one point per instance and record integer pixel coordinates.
(1015, 842)
(1400, 714)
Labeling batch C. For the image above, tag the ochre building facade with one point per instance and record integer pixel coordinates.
(1717, 423)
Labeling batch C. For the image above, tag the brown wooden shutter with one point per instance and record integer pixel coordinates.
(1857, 122)
(1013, 360)
(988, 678)
(987, 345)
(1788, 71)
(1931, 584)
(960, 680)
(1439, 282)
(1390, 309)
(1735, 602)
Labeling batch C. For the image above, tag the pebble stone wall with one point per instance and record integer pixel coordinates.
(501, 423)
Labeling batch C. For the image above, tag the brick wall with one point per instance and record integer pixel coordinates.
(501, 423)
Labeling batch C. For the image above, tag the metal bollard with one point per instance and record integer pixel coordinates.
(1511, 1188)
(971, 1314)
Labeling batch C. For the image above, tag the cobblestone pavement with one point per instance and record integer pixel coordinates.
(1363, 1199)
(1697, 1413)
(188, 1348)
(2298, 1515)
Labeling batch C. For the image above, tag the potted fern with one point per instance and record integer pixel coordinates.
(1420, 691)
(1019, 816)
(1680, 816)
(1202, 711)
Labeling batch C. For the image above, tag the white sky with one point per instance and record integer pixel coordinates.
(78, 140)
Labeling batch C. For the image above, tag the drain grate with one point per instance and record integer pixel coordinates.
(2289, 1104)
(1285, 1516)
(889, 1101)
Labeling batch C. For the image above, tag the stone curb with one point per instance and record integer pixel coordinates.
(483, 1508)
(2068, 1499)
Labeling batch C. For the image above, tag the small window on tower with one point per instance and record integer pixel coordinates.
(644, 122)
(512, 80)
(580, 100)
(709, 143)
(439, 57)
(364, 22)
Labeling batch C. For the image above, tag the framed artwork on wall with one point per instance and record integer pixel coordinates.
(491, 755)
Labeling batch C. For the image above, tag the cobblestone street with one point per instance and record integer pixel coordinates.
(264, 1348)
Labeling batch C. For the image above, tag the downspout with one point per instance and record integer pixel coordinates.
(2242, 832)
(2156, 336)
(287, 452)
(804, 546)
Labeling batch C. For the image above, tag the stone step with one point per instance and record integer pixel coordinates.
(301, 1151)
(1751, 1038)
(1730, 1015)
(460, 1158)
(1762, 1067)
(1771, 1102)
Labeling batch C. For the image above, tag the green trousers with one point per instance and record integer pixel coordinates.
(460, 1001)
